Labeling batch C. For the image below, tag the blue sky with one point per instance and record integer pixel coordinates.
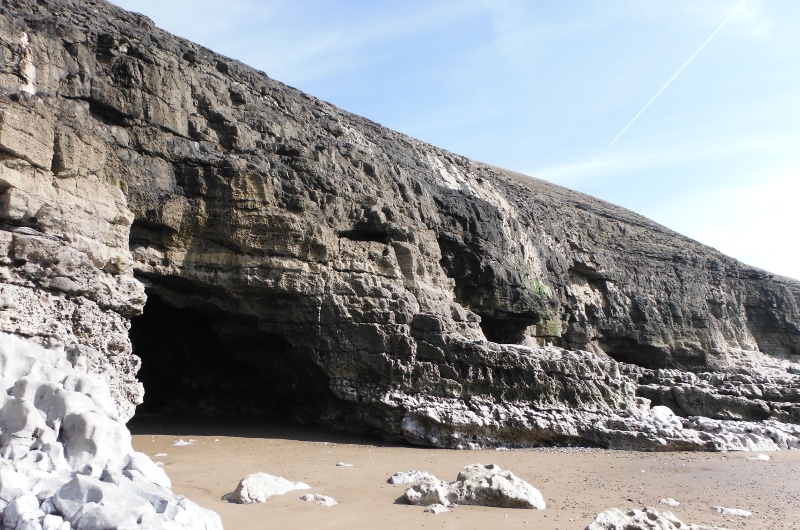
(544, 87)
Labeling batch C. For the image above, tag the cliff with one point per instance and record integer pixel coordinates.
(276, 254)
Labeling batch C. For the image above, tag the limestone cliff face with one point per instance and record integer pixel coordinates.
(347, 274)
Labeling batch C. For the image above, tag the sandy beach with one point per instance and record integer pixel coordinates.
(577, 483)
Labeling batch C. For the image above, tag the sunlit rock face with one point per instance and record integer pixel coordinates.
(66, 459)
(304, 262)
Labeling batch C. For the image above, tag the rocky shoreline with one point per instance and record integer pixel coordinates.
(576, 483)
(193, 236)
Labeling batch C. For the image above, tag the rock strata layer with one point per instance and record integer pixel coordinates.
(284, 256)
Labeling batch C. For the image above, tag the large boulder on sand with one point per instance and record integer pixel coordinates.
(488, 485)
(429, 490)
(477, 484)
(258, 487)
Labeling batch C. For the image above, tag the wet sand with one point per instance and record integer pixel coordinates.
(576, 483)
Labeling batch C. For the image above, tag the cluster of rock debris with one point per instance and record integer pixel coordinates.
(341, 273)
(66, 459)
(476, 485)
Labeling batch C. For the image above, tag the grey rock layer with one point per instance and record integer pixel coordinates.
(362, 279)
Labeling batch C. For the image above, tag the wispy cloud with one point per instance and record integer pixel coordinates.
(312, 50)
(304, 41)
(601, 165)
(677, 73)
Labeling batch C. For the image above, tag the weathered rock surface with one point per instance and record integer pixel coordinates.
(306, 262)
(488, 485)
(408, 477)
(477, 485)
(437, 509)
(66, 459)
(647, 519)
(428, 491)
(258, 487)
(732, 511)
(174, 219)
(316, 498)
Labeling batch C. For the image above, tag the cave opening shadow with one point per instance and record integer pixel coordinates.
(200, 362)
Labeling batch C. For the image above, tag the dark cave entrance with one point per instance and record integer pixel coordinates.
(199, 361)
(509, 329)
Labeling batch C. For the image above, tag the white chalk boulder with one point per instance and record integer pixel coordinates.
(408, 477)
(477, 484)
(665, 417)
(258, 487)
(647, 519)
(429, 490)
(488, 485)
(732, 511)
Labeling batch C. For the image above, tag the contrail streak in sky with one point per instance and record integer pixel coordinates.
(671, 79)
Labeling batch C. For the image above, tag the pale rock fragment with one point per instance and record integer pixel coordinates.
(429, 490)
(489, 485)
(408, 477)
(669, 501)
(52, 522)
(258, 487)
(647, 519)
(436, 509)
(732, 511)
(23, 508)
(477, 484)
(149, 470)
(664, 416)
(322, 500)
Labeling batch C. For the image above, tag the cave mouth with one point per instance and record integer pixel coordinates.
(628, 350)
(507, 328)
(199, 361)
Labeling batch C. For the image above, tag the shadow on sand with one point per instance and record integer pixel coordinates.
(245, 427)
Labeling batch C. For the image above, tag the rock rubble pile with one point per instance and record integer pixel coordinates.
(66, 459)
